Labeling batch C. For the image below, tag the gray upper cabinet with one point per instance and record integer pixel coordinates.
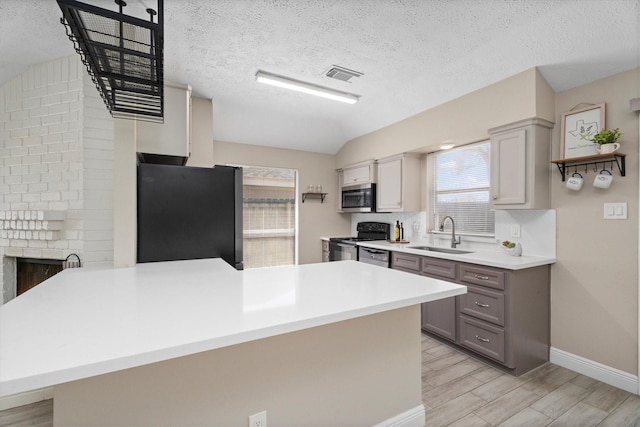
(520, 168)
(398, 186)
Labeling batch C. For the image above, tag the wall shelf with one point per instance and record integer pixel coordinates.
(320, 196)
(565, 164)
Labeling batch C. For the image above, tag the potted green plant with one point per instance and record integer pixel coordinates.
(606, 140)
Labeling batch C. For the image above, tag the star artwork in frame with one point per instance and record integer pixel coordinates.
(578, 127)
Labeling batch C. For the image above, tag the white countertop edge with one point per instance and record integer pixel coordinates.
(487, 258)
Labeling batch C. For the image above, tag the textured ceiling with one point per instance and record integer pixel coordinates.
(415, 54)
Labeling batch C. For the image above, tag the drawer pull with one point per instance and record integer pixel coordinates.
(480, 304)
(478, 276)
(479, 338)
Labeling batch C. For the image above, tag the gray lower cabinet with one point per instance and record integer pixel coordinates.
(504, 316)
(438, 317)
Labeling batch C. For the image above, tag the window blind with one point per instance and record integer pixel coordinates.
(459, 187)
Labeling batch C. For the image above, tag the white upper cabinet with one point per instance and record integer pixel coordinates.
(520, 169)
(172, 137)
(339, 190)
(398, 187)
(361, 173)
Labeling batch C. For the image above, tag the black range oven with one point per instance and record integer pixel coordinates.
(344, 248)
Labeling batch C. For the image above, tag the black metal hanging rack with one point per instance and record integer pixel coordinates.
(123, 55)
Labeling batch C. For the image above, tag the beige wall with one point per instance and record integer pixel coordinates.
(462, 120)
(315, 219)
(359, 372)
(594, 284)
(125, 212)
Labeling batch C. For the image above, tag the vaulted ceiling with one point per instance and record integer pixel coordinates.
(414, 55)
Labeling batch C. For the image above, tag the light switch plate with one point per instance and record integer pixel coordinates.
(515, 230)
(615, 210)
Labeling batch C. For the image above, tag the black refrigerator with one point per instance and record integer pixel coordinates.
(189, 213)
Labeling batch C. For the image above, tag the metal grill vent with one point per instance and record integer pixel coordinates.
(123, 55)
(341, 73)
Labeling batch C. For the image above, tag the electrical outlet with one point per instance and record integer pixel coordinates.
(258, 420)
(515, 230)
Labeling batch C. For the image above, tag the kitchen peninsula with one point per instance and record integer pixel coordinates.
(197, 342)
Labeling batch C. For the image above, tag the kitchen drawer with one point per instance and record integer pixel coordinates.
(438, 268)
(483, 304)
(406, 262)
(482, 276)
(482, 337)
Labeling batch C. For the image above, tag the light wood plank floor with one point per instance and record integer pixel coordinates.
(461, 391)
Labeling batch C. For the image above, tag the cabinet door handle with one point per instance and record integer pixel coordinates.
(479, 338)
(495, 197)
(480, 304)
(478, 276)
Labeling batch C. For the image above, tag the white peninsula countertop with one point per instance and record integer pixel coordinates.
(86, 322)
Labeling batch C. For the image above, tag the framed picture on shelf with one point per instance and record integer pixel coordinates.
(577, 128)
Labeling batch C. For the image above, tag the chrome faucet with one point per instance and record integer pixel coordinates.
(454, 242)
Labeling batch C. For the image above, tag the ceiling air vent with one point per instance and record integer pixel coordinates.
(341, 73)
(123, 55)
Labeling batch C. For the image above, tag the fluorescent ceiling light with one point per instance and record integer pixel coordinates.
(304, 87)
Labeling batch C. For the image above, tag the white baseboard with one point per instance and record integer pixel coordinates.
(412, 418)
(598, 371)
(26, 398)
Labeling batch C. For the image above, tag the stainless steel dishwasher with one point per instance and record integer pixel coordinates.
(373, 256)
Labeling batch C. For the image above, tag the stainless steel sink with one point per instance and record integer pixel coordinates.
(438, 249)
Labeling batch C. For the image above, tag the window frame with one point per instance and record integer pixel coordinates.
(431, 181)
(297, 200)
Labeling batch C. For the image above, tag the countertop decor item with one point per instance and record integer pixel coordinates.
(513, 249)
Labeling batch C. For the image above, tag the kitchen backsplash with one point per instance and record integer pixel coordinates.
(537, 230)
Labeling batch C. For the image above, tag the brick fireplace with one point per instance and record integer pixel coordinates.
(56, 158)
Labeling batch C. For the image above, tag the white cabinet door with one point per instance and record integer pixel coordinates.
(172, 137)
(520, 165)
(339, 190)
(399, 184)
(508, 167)
(361, 174)
(389, 191)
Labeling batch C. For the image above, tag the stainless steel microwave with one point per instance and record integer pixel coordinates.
(359, 198)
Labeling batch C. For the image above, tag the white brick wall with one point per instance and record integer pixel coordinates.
(56, 154)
